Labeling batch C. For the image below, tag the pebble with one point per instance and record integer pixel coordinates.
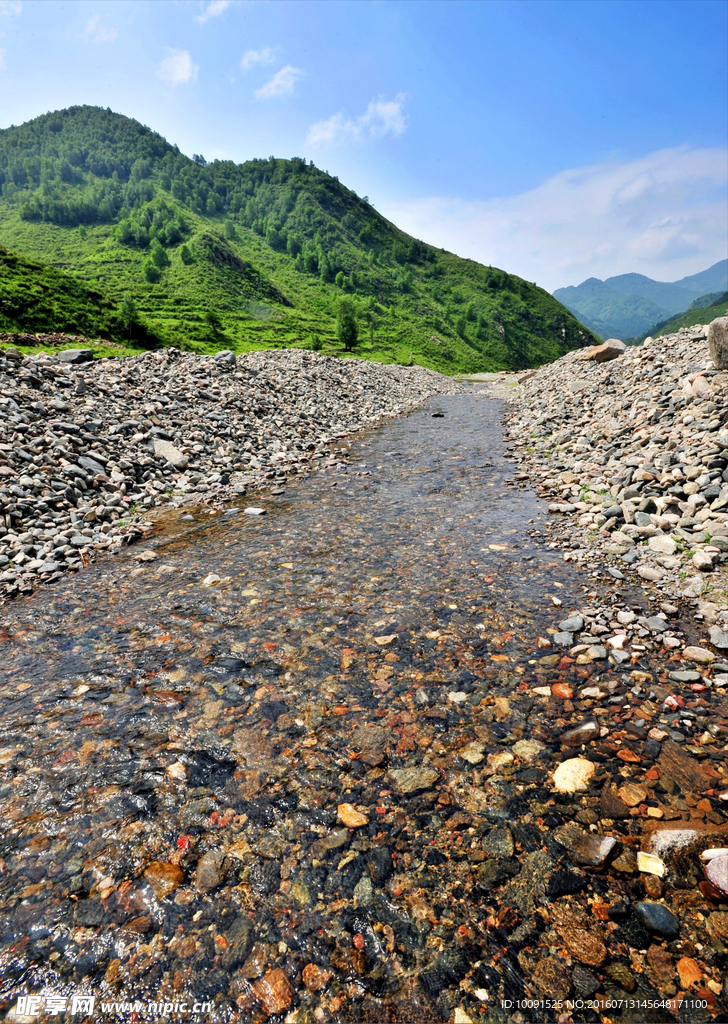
(210, 871)
(658, 919)
(698, 654)
(573, 624)
(163, 877)
(574, 775)
(716, 871)
(274, 992)
(594, 850)
(350, 817)
(412, 780)
(651, 864)
(580, 734)
(315, 978)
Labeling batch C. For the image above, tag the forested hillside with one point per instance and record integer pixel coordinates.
(255, 254)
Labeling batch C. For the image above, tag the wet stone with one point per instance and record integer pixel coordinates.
(716, 871)
(239, 939)
(499, 843)
(611, 804)
(658, 919)
(583, 733)
(594, 850)
(274, 992)
(412, 780)
(210, 871)
(583, 944)
(164, 878)
(315, 978)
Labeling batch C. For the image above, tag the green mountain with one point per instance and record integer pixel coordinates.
(255, 255)
(628, 305)
(702, 311)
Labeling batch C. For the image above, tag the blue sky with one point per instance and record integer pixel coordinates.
(558, 140)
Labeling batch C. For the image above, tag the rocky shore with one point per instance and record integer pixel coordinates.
(633, 454)
(89, 447)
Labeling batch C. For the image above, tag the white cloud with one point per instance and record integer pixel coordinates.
(8, 8)
(212, 10)
(3, 51)
(177, 68)
(663, 215)
(97, 32)
(382, 117)
(252, 57)
(281, 84)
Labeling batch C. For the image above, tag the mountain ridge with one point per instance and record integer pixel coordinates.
(244, 255)
(627, 305)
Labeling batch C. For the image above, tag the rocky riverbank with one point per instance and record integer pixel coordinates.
(633, 454)
(89, 447)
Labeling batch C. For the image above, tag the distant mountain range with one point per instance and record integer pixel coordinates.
(630, 304)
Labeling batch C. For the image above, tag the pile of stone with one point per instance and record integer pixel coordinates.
(87, 447)
(634, 449)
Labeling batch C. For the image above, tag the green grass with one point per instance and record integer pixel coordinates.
(252, 256)
(37, 298)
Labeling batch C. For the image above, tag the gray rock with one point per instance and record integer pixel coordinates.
(91, 465)
(563, 639)
(597, 652)
(166, 450)
(718, 342)
(573, 624)
(76, 355)
(718, 637)
(225, 358)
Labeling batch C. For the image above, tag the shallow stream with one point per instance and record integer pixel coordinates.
(382, 615)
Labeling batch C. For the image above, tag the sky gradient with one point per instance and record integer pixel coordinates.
(558, 140)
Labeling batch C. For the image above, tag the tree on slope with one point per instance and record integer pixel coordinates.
(346, 328)
(128, 312)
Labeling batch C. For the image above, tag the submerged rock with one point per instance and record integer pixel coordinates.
(574, 775)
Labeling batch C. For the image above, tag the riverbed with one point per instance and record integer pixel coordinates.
(295, 764)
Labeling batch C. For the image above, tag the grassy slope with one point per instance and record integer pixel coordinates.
(698, 315)
(41, 299)
(415, 303)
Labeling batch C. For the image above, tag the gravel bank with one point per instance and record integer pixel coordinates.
(89, 448)
(633, 454)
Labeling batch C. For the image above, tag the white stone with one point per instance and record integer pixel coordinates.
(662, 544)
(574, 775)
(650, 864)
